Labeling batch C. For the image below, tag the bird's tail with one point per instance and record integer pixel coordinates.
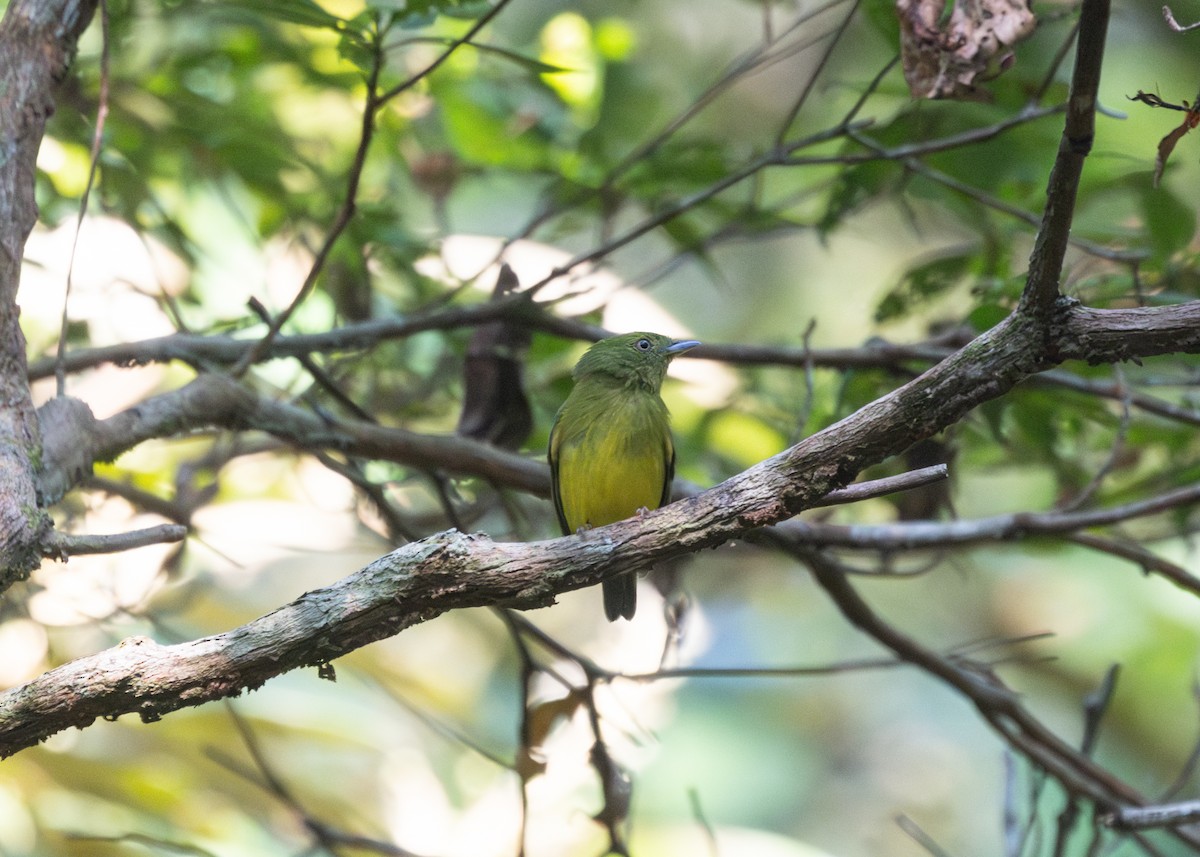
(620, 597)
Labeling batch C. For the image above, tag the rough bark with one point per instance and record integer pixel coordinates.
(37, 41)
(454, 570)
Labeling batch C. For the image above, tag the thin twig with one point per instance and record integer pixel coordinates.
(994, 202)
(59, 544)
(345, 214)
(1174, 24)
(710, 835)
(1060, 55)
(466, 38)
(807, 88)
(93, 168)
(154, 843)
(860, 491)
(1147, 817)
(919, 836)
(998, 705)
(1115, 450)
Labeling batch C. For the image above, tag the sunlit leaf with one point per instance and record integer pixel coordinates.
(304, 12)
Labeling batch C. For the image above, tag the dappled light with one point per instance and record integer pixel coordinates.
(292, 294)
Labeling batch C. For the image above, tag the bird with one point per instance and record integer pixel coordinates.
(611, 452)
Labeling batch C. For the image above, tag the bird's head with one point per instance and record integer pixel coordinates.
(633, 358)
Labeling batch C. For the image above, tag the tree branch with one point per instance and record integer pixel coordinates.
(212, 401)
(998, 705)
(203, 351)
(1049, 250)
(929, 535)
(1146, 817)
(37, 41)
(64, 545)
(451, 570)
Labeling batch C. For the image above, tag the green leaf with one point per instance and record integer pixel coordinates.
(1170, 222)
(421, 13)
(303, 12)
(529, 63)
(986, 317)
(923, 282)
(853, 188)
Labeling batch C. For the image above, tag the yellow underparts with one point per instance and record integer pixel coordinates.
(614, 461)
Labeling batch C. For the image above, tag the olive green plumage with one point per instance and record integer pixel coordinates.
(611, 452)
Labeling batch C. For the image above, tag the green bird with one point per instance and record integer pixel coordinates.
(611, 453)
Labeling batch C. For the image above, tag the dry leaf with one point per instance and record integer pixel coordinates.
(495, 408)
(539, 722)
(950, 58)
(1167, 144)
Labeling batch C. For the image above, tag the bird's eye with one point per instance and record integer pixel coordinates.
(644, 345)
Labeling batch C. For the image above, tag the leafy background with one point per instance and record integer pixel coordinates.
(230, 132)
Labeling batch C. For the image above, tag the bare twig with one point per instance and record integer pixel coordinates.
(994, 202)
(743, 66)
(1147, 817)
(1119, 392)
(1174, 24)
(887, 485)
(214, 351)
(152, 842)
(524, 763)
(1046, 261)
(923, 535)
(467, 37)
(784, 156)
(998, 705)
(63, 545)
(324, 835)
(710, 835)
(341, 220)
(1064, 48)
(1095, 706)
(919, 836)
(1147, 560)
(806, 89)
(1115, 450)
(207, 351)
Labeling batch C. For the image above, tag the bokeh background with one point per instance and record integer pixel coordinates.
(230, 131)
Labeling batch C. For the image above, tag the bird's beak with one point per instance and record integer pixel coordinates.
(681, 345)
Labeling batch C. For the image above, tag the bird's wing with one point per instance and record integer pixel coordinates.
(555, 493)
(669, 469)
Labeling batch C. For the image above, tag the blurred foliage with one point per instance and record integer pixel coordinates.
(232, 129)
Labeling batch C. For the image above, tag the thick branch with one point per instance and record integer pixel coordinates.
(215, 401)
(450, 571)
(211, 401)
(37, 40)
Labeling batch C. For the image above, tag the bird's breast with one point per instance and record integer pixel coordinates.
(614, 462)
